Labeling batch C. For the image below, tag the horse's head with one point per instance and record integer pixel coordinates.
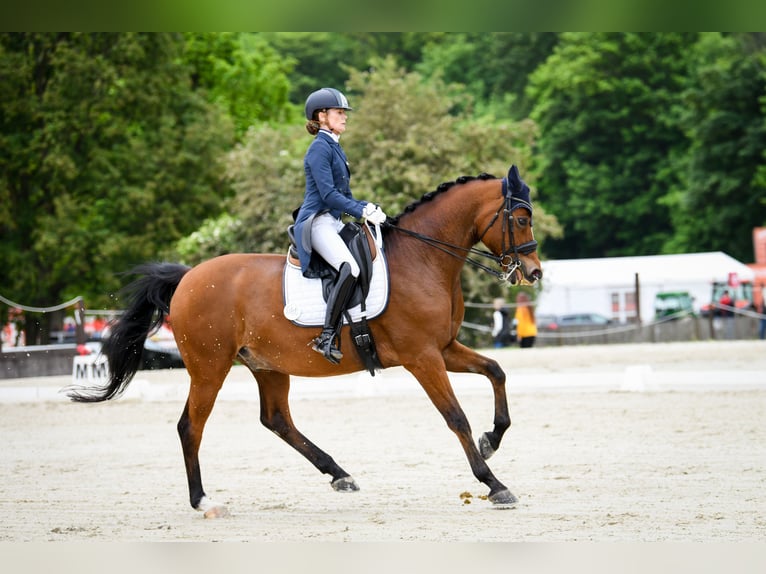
(508, 232)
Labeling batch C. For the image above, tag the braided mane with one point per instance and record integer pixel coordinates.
(439, 190)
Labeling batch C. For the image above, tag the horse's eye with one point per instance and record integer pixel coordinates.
(522, 221)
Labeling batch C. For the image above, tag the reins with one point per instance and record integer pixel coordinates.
(445, 247)
(509, 256)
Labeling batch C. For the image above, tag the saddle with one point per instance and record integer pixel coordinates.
(363, 247)
(360, 242)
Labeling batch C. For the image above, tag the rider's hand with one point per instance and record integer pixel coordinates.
(373, 214)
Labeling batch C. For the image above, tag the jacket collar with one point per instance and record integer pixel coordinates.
(330, 135)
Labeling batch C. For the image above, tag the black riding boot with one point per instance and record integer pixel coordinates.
(336, 304)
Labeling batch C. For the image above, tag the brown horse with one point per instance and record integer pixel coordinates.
(231, 308)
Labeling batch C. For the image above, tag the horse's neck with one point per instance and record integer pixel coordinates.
(449, 221)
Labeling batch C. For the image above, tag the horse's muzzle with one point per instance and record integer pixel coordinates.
(526, 276)
(520, 276)
(535, 275)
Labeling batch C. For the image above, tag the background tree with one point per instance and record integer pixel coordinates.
(494, 68)
(115, 146)
(327, 58)
(266, 173)
(605, 107)
(721, 195)
(241, 73)
(321, 59)
(108, 156)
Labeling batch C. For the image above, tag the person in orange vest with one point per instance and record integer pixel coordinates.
(526, 326)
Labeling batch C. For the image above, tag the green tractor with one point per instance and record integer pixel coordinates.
(673, 304)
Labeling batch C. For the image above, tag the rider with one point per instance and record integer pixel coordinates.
(326, 198)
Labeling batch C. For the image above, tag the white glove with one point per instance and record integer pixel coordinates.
(373, 214)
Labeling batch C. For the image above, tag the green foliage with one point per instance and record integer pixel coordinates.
(243, 74)
(723, 115)
(115, 146)
(266, 173)
(492, 67)
(327, 58)
(321, 59)
(604, 104)
(108, 158)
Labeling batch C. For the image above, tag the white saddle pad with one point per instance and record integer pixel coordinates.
(305, 306)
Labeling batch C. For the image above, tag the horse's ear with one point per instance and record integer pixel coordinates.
(513, 177)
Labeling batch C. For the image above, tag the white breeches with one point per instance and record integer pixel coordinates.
(326, 241)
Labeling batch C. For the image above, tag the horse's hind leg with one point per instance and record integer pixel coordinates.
(274, 389)
(203, 391)
(460, 359)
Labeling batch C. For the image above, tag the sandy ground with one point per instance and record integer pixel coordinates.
(643, 443)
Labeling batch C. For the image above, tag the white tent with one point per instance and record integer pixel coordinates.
(607, 285)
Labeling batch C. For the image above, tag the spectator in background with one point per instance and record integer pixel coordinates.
(762, 311)
(727, 313)
(726, 301)
(502, 328)
(526, 326)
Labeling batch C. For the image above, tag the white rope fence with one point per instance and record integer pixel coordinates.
(613, 329)
(40, 309)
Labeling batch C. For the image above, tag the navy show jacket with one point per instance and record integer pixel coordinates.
(327, 189)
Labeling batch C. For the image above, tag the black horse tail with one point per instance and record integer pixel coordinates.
(148, 299)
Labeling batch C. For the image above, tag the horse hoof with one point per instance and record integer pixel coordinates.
(345, 484)
(217, 512)
(485, 448)
(212, 510)
(503, 499)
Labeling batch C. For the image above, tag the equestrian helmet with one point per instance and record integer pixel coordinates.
(325, 98)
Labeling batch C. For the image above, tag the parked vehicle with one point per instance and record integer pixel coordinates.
(161, 351)
(741, 293)
(555, 322)
(546, 322)
(674, 304)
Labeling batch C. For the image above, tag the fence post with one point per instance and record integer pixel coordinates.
(79, 321)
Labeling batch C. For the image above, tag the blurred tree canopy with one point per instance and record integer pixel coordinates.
(722, 192)
(241, 73)
(122, 147)
(108, 156)
(652, 143)
(604, 105)
(494, 68)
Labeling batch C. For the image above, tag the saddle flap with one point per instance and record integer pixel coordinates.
(359, 241)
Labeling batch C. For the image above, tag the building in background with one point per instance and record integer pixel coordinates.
(608, 285)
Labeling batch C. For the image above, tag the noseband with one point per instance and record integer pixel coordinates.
(509, 255)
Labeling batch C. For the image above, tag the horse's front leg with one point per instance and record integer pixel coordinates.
(431, 374)
(460, 359)
(274, 389)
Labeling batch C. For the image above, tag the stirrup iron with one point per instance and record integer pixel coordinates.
(325, 346)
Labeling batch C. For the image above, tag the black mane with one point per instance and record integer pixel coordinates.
(439, 190)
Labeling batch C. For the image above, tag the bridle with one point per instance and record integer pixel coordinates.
(509, 256)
